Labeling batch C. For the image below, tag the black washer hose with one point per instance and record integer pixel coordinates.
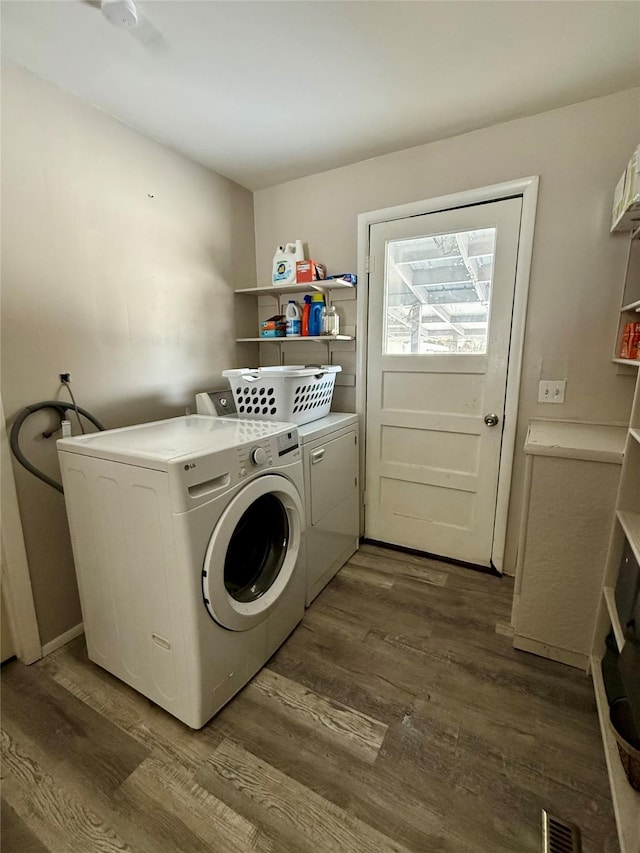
(61, 409)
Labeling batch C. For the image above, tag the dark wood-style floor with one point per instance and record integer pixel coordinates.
(396, 717)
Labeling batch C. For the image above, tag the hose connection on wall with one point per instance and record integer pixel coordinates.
(64, 425)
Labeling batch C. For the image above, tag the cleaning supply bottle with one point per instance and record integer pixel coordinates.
(284, 262)
(330, 321)
(306, 312)
(315, 317)
(292, 315)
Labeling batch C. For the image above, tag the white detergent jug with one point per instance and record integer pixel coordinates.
(284, 262)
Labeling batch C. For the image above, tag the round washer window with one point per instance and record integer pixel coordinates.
(257, 549)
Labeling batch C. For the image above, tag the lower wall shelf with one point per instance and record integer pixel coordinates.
(626, 800)
(610, 600)
(630, 523)
(324, 339)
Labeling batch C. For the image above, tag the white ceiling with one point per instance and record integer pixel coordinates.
(267, 91)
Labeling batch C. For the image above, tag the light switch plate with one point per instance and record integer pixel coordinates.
(551, 391)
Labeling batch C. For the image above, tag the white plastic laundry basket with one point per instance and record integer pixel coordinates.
(296, 393)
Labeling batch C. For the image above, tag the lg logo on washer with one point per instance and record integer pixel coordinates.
(189, 465)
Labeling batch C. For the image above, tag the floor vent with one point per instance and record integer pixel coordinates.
(558, 836)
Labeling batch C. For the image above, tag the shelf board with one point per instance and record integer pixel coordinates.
(635, 434)
(277, 289)
(610, 601)
(324, 339)
(632, 306)
(626, 801)
(630, 523)
(631, 362)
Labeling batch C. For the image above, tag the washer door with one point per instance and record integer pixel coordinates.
(252, 553)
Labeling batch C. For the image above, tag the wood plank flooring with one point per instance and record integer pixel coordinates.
(397, 717)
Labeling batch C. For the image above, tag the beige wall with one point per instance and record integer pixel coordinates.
(118, 261)
(579, 153)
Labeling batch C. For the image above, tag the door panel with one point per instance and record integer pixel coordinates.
(440, 307)
(437, 450)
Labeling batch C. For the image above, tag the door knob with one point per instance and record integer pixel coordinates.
(491, 419)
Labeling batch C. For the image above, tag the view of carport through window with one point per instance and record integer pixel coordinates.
(437, 293)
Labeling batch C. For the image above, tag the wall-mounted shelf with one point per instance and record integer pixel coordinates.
(632, 306)
(610, 600)
(278, 289)
(256, 304)
(323, 339)
(630, 362)
(630, 523)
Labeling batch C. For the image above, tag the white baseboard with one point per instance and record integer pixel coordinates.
(544, 650)
(63, 639)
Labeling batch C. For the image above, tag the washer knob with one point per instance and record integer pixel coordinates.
(258, 456)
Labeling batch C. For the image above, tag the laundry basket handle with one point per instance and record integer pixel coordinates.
(321, 369)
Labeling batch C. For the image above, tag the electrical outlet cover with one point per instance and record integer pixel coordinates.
(551, 391)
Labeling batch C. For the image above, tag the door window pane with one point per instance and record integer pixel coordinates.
(438, 293)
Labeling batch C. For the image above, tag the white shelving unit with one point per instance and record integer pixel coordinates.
(626, 530)
(278, 290)
(630, 303)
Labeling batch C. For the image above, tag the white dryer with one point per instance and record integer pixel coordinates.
(332, 496)
(187, 539)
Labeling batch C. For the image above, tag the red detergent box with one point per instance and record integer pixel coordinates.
(307, 271)
(634, 342)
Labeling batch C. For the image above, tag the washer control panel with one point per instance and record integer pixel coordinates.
(257, 456)
(287, 442)
(253, 456)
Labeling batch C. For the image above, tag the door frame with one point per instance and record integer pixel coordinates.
(16, 580)
(527, 189)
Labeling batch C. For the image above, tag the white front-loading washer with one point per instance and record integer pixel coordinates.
(331, 494)
(187, 537)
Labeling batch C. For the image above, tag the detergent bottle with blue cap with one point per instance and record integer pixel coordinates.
(315, 317)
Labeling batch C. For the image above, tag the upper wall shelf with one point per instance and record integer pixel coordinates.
(277, 289)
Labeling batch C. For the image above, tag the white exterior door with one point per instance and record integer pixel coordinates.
(440, 308)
